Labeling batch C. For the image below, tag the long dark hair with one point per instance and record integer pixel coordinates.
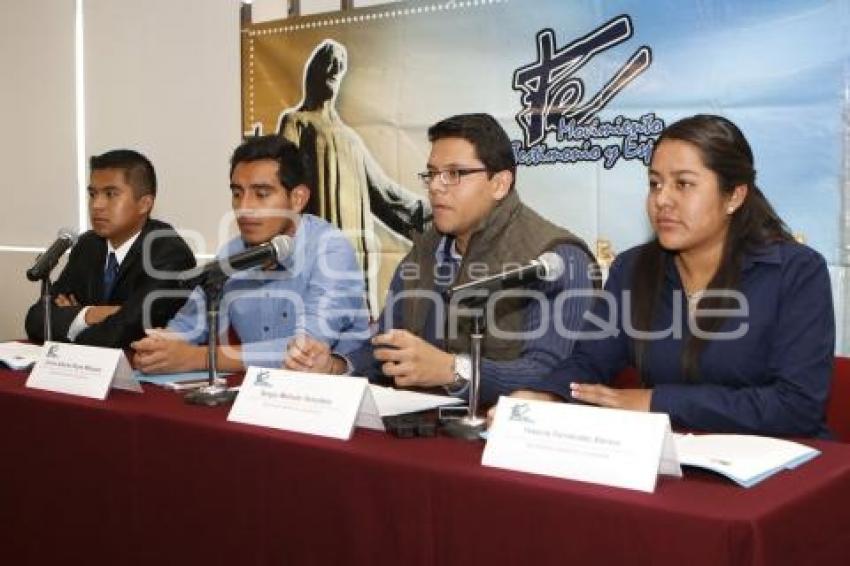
(725, 151)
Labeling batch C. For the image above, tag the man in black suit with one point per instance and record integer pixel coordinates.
(100, 296)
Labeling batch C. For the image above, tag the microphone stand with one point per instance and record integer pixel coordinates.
(216, 391)
(45, 302)
(476, 294)
(475, 338)
(470, 426)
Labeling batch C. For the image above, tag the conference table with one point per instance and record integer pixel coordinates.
(148, 479)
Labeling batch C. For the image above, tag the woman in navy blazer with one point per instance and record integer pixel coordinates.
(727, 319)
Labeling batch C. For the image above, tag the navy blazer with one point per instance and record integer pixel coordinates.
(83, 277)
(773, 380)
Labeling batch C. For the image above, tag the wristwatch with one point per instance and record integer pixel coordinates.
(462, 373)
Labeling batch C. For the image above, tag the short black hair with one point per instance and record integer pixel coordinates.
(492, 144)
(291, 171)
(138, 170)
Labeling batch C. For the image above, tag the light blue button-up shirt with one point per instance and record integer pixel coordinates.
(317, 290)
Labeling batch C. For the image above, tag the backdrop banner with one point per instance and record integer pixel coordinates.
(583, 89)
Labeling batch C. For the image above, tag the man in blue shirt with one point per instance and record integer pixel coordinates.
(316, 291)
(481, 228)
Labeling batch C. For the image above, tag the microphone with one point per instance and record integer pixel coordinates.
(547, 267)
(278, 249)
(45, 262)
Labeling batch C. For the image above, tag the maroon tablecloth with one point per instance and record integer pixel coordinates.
(146, 479)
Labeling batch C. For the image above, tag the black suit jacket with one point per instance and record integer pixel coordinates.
(83, 277)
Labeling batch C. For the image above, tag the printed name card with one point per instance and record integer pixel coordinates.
(86, 371)
(591, 444)
(324, 405)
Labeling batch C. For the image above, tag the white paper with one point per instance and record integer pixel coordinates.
(745, 459)
(167, 379)
(18, 355)
(387, 402)
(399, 402)
(592, 444)
(87, 371)
(324, 405)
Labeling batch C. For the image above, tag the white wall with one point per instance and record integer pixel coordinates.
(318, 6)
(365, 3)
(37, 113)
(161, 77)
(166, 82)
(267, 10)
(37, 149)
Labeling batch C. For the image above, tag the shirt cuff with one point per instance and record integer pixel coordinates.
(461, 392)
(664, 398)
(349, 367)
(78, 325)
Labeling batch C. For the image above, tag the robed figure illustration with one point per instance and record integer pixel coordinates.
(349, 187)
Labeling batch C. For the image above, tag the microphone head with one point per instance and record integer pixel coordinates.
(283, 246)
(68, 234)
(553, 266)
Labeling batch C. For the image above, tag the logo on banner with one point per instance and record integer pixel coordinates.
(554, 101)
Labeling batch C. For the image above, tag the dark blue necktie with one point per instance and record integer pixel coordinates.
(110, 275)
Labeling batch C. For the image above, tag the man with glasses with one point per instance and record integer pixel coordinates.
(480, 228)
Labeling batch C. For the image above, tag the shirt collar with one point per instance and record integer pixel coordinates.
(447, 250)
(768, 253)
(299, 240)
(123, 249)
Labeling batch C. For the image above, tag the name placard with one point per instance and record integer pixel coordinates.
(591, 444)
(324, 405)
(87, 371)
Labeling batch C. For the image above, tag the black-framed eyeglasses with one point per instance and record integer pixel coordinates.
(448, 177)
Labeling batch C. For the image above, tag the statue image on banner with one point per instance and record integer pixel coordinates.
(350, 189)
